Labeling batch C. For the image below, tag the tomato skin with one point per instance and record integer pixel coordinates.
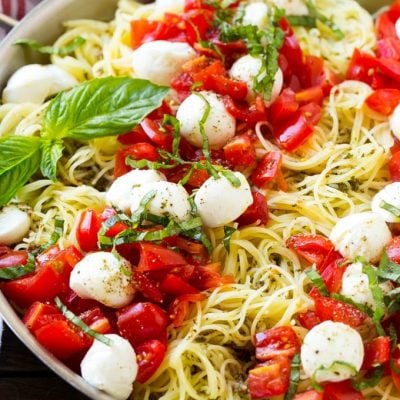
(32, 316)
(308, 319)
(393, 249)
(62, 339)
(209, 277)
(176, 286)
(149, 357)
(147, 287)
(154, 257)
(253, 114)
(240, 151)
(270, 378)
(267, 169)
(87, 230)
(96, 320)
(341, 391)
(329, 309)
(309, 395)
(377, 352)
(13, 258)
(197, 23)
(141, 322)
(389, 47)
(360, 66)
(284, 107)
(222, 85)
(394, 167)
(395, 361)
(257, 211)
(383, 101)
(281, 341)
(153, 130)
(179, 308)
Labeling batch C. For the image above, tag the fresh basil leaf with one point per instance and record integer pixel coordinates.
(393, 337)
(389, 207)
(137, 215)
(51, 153)
(294, 377)
(20, 159)
(332, 368)
(170, 120)
(372, 381)
(80, 324)
(11, 273)
(228, 232)
(388, 269)
(101, 107)
(231, 177)
(302, 20)
(60, 51)
(141, 164)
(318, 282)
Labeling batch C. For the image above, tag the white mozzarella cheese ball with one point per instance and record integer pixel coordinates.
(14, 225)
(364, 234)
(170, 200)
(331, 342)
(112, 369)
(292, 7)
(256, 14)
(160, 61)
(171, 6)
(120, 192)
(34, 83)
(246, 69)
(394, 122)
(219, 127)
(218, 202)
(389, 194)
(103, 277)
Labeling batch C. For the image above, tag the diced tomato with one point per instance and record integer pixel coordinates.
(360, 67)
(395, 367)
(222, 85)
(154, 257)
(332, 271)
(197, 23)
(35, 312)
(394, 167)
(147, 287)
(182, 84)
(137, 135)
(393, 249)
(377, 352)
(312, 73)
(257, 211)
(196, 4)
(389, 47)
(334, 310)
(267, 169)
(389, 67)
(209, 277)
(385, 22)
(87, 230)
(253, 114)
(141, 322)
(13, 258)
(137, 151)
(156, 133)
(270, 378)
(179, 308)
(176, 286)
(309, 395)
(308, 319)
(62, 339)
(281, 341)
(284, 107)
(96, 320)
(141, 31)
(240, 151)
(383, 101)
(341, 391)
(186, 245)
(313, 94)
(149, 357)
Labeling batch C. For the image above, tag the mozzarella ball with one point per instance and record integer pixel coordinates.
(14, 225)
(256, 14)
(218, 202)
(389, 194)
(120, 192)
(34, 83)
(329, 342)
(170, 200)
(160, 61)
(219, 127)
(355, 285)
(103, 277)
(364, 234)
(111, 368)
(292, 7)
(394, 122)
(170, 6)
(246, 69)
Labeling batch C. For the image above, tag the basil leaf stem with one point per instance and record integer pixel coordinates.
(60, 51)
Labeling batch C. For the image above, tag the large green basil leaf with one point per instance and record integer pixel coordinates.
(51, 153)
(101, 107)
(19, 160)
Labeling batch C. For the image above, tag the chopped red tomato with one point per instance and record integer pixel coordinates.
(309, 395)
(257, 211)
(147, 287)
(62, 339)
(281, 341)
(377, 352)
(197, 23)
(13, 258)
(87, 230)
(284, 107)
(35, 312)
(313, 94)
(393, 249)
(394, 167)
(395, 367)
(253, 114)
(222, 85)
(96, 320)
(385, 22)
(179, 309)
(308, 319)
(209, 277)
(240, 151)
(154, 257)
(389, 47)
(176, 286)
(334, 310)
(270, 378)
(383, 101)
(158, 135)
(141, 322)
(149, 356)
(267, 169)
(341, 391)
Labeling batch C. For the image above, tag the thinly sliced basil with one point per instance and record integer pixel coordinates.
(393, 337)
(11, 273)
(333, 367)
(141, 164)
(170, 120)
(372, 381)
(58, 231)
(388, 269)
(231, 177)
(389, 207)
(80, 324)
(318, 282)
(228, 232)
(137, 215)
(61, 51)
(294, 377)
(347, 300)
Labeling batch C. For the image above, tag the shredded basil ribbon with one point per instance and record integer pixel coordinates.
(365, 309)
(388, 269)
(228, 232)
(391, 208)
(318, 282)
(333, 367)
(15, 272)
(80, 324)
(61, 51)
(294, 377)
(372, 381)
